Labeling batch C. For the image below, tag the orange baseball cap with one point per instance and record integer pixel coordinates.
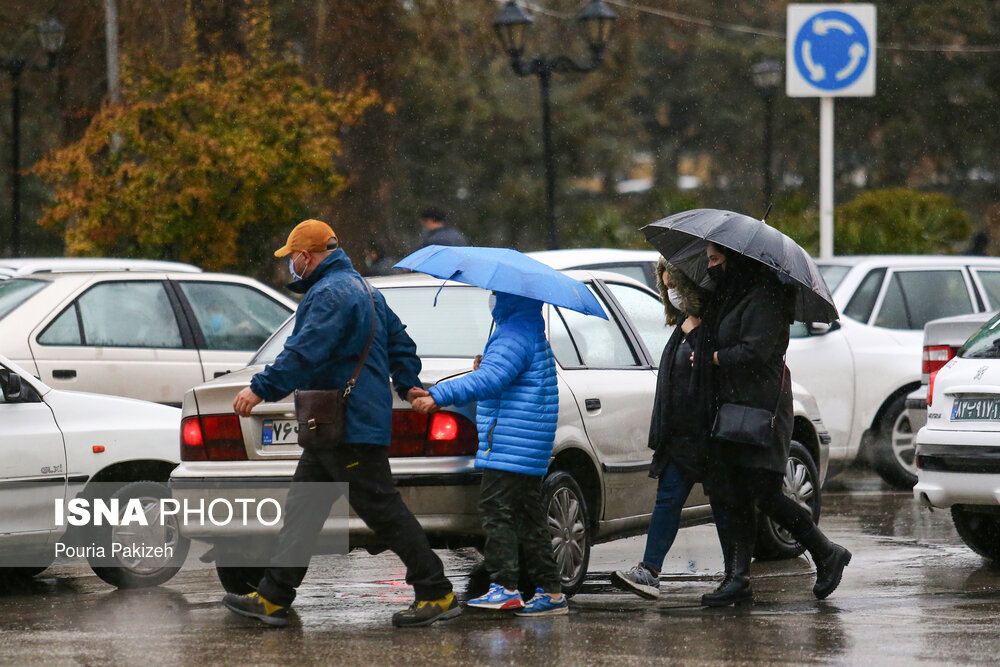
(311, 235)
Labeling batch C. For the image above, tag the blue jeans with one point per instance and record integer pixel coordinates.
(671, 492)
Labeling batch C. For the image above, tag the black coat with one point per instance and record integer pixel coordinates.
(678, 429)
(751, 338)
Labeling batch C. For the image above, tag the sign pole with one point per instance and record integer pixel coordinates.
(825, 177)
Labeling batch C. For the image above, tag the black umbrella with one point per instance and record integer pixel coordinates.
(681, 239)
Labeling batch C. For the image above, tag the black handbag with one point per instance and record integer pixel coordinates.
(746, 425)
(322, 413)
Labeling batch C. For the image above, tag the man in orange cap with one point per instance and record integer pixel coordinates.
(333, 325)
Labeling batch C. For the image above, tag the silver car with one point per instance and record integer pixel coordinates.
(597, 487)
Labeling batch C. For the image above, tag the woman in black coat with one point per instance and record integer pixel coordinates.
(746, 329)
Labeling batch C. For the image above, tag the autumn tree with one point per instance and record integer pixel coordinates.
(206, 163)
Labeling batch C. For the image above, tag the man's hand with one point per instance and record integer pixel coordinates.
(476, 361)
(425, 405)
(245, 400)
(416, 392)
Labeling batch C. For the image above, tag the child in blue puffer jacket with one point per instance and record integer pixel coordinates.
(518, 405)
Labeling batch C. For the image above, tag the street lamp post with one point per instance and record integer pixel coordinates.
(50, 36)
(510, 26)
(767, 76)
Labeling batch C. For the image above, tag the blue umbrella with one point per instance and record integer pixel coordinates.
(504, 270)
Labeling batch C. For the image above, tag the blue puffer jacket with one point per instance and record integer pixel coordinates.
(332, 325)
(516, 389)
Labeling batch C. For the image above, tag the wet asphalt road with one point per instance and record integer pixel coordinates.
(913, 594)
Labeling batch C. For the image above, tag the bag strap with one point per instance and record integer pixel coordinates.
(368, 346)
(777, 403)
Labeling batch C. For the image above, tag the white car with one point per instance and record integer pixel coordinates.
(636, 264)
(60, 444)
(597, 487)
(11, 268)
(958, 451)
(862, 368)
(138, 333)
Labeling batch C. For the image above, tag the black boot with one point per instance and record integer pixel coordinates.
(830, 559)
(735, 587)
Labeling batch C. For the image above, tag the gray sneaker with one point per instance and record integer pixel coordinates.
(638, 580)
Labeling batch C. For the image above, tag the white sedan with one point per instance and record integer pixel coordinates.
(60, 445)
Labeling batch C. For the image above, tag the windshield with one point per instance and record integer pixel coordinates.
(833, 274)
(457, 326)
(16, 291)
(985, 343)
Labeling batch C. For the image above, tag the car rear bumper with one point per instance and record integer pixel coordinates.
(950, 471)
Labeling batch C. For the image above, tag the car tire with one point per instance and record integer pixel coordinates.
(895, 447)
(138, 573)
(980, 531)
(569, 527)
(801, 484)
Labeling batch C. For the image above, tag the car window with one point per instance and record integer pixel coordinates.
(860, 306)
(14, 292)
(601, 343)
(457, 326)
(634, 271)
(646, 314)
(562, 345)
(985, 343)
(833, 274)
(232, 317)
(913, 298)
(990, 280)
(118, 314)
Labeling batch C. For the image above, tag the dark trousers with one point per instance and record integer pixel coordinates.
(374, 498)
(735, 491)
(511, 511)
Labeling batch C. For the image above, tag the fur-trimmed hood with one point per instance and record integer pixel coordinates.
(694, 297)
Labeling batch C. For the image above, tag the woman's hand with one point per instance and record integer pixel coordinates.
(715, 357)
(690, 324)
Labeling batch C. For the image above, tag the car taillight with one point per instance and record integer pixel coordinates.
(930, 389)
(451, 434)
(936, 356)
(212, 438)
(442, 434)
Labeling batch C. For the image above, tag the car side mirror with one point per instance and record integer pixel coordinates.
(12, 387)
(822, 328)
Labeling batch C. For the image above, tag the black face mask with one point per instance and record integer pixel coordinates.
(717, 273)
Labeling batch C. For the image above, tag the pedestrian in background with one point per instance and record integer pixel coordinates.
(746, 337)
(436, 232)
(377, 262)
(333, 327)
(518, 404)
(678, 429)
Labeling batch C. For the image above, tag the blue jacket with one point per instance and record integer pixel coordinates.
(332, 326)
(516, 389)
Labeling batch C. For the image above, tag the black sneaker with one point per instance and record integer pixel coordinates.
(255, 606)
(639, 580)
(425, 612)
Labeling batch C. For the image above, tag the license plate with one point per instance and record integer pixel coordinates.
(983, 409)
(280, 432)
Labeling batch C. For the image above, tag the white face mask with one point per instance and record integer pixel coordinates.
(291, 269)
(675, 299)
(493, 302)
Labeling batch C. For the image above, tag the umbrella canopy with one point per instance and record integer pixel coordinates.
(681, 239)
(504, 270)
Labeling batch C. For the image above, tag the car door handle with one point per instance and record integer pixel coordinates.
(63, 375)
(592, 403)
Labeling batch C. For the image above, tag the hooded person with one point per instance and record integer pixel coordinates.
(516, 415)
(678, 429)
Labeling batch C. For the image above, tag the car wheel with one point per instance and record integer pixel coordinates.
(895, 447)
(239, 580)
(139, 571)
(980, 531)
(801, 484)
(569, 527)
